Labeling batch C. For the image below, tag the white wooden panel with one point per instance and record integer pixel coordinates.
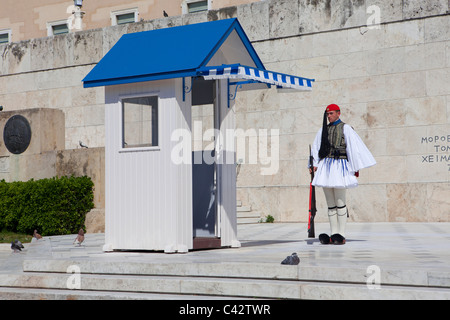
(227, 168)
(148, 197)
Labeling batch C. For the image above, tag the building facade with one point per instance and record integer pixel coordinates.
(29, 19)
(386, 63)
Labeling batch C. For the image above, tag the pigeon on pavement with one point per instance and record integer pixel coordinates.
(36, 235)
(80, 237)
(17, 246)
(291, 260)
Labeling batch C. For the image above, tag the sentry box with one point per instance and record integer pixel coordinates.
(167, 189)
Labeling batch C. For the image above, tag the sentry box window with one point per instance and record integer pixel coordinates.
(140, 122)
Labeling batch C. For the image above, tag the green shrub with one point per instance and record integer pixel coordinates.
(52, 206)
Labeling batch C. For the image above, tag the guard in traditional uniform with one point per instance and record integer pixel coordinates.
(339, 154)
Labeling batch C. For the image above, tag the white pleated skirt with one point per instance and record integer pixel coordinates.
(334, 173)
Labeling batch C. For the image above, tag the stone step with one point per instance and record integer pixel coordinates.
(248, 214)
(268, 271)
(104, 284)
(245, 215)
(177, 285)
(244, 209)
(73, 294)
(248, 220)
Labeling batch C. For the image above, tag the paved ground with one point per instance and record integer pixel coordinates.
(424, 246)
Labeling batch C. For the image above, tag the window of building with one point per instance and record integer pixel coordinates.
(192, 6)
(57, 27)
(140, 122)
(124, 16)
(5, 36)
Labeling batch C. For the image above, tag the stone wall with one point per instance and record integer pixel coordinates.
(386, 63)
(391, 81)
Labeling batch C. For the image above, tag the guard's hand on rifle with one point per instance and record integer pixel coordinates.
(310, 170)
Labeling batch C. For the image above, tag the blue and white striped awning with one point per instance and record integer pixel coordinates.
(254, 75)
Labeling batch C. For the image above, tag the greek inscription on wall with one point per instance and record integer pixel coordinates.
(441, 147)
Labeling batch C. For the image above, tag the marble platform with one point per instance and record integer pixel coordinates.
(379, 261)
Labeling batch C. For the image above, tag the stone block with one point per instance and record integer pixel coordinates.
(405, 33)
(405, 85)
(426, 111)
(389, 169)
(20, 83)
(365, 39)
(425, 56)
(419, 9)
(84, 162)
(62, 50)
(406, 202)
(447, 53)
(329, 43)
(438, 205)
(41, 53)
(314, 16)
(87, 46)
(4, 65)
(334, 91)
(385, 61)
(437, 82)
(283, 18)
(95, 221)
(385, 114)
(294, 204)
(24, 167)
(19, 56)
(197, 17)
(254, 18)
(367, 203)
(437, 29)
(348, 65)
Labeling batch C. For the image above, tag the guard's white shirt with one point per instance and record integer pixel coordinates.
(340, 173)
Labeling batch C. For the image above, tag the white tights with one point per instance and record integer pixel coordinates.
(337, 209)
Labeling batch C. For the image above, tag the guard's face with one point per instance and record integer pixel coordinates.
(332, 116)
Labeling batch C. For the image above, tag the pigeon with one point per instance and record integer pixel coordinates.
(291, 260)
(17, 246)
(165, 13)
(82, 144)
(36, 235)
(80, 237)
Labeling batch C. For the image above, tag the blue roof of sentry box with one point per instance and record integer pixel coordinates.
(165, 53)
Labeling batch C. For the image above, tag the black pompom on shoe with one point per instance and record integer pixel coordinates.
(324, 238)
(337, 239)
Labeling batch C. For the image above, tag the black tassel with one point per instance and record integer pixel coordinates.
(325, 143)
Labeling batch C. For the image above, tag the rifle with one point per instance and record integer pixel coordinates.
(312, 199)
